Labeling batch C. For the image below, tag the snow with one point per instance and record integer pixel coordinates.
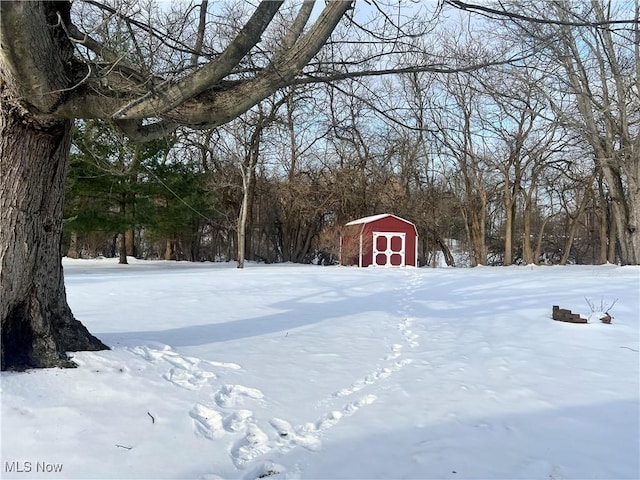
(373, 218)
(369, 219)
(289, 371)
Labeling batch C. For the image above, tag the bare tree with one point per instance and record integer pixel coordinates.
(460, 139)
(51, 72)
(264, 116)
(595, 44)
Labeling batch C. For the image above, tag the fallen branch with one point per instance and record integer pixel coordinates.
(632, 349)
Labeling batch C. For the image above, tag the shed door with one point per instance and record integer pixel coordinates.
(388, 249)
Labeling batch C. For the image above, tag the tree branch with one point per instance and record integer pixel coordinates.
(109, 56)
(202, 23)
(171, 95)
(298, 25)
(215, 107)
(493, 12)
(145, 133)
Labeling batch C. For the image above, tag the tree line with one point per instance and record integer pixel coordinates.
(528, 161)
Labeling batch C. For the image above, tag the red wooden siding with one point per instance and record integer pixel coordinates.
(391, 250)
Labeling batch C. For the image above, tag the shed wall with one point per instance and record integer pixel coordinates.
(363, 233)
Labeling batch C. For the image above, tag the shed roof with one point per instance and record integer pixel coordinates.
(373, 218)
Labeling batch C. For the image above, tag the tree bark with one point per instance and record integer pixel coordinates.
(168, 249)
(603, 218)
(130, 242)
(122, 249)
(448, 256)
(38, 327)
(509, 205)
(527, 250)
(538, 251)
(73, 246)
(248, 172)
(474, 214)
(242, 220)
(575, 219)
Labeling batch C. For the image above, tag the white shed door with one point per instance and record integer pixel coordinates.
(389, 249)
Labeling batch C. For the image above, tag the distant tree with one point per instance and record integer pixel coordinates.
(104, 189)
(179, 208)
(589, 52)
(460, 139)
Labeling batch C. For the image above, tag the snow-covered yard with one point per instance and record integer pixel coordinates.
(289, 371)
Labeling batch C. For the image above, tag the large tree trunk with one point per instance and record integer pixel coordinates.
(130, 242)
(37, 324)
(242, 223)
(122, 249)
(603, 218)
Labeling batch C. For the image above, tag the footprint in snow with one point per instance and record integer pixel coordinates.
(257, 443)
(188, 380)
(362, 383)
(210, 423)
(207, 422)
(179, 361)
(351, 408)
(254, 444)
(149, 354)
(396, 351)
(304, 436)
(328, 420)
(411, 338)
(265, 470)
(230, 395)
(186, 372)
(237, 420)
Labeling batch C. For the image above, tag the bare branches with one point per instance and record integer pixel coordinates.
(298, 25)
(163, 38)
(117, 60)
(504, 13)
(218, 107)
(168, 96)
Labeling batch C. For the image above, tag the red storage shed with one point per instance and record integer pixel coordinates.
(379, 240)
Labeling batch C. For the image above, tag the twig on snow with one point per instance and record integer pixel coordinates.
(632, 349)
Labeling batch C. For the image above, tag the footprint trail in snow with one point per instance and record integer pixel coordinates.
(228, 410)
(393, 361)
